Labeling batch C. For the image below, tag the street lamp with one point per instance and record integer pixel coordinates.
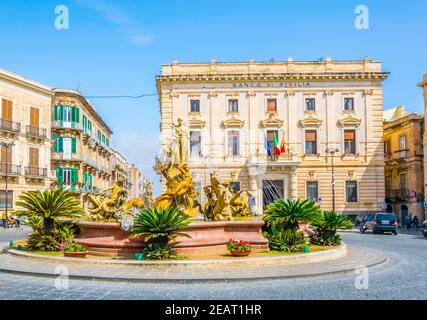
(332, 152)
(6, 146)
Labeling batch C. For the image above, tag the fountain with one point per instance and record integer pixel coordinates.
(207, 237)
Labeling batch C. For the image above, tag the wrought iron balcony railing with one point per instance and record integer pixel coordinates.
(36, 132)
(10, 126)
(66, 125)
(398, 194)
(36, 172)
(10, 169)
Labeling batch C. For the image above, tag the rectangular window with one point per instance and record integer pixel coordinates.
(99, 136)
(84, 124)
(34, 117)
(311, 142)
(235, 186)
(271, 105)
(349, 104)
(195, 106)
(34, 158)
(402, 182)
(402, 145)
(351, 191)
(387, 152)
(3, 199)
(6, 155)
(350, 142)
(310, 104)
(233, 143)
(233, 105)
(6, 109)
(312, 191)
(195, 144)
(270, 141)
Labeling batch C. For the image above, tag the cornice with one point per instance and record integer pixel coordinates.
(233, 123)
(274, 76)
(271, 122)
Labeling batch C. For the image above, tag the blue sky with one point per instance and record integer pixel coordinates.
(118, 47)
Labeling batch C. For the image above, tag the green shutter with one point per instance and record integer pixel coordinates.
(73, 145)
(74, 176)
(90, 181)
(108, 142)
(89, 125)
(56, 113)
(59, 144)
(99, 136)
(61, 113)
(84, 124)
(60, 174)
(77, 115)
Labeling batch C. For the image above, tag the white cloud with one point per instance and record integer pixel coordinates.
(125, 24)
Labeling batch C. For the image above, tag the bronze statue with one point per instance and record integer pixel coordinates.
(180, 191)
(222, 203)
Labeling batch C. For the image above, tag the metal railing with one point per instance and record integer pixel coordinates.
(66, 125)
(398, 194)
(36, 172)
(10, 125)
(36, 132)
(12, 169)
(61, 156)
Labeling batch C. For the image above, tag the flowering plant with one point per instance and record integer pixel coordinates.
(239, 245)
(73, 247)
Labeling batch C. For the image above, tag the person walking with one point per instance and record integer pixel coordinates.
(3, 219)
(415, 222)
(408, 222)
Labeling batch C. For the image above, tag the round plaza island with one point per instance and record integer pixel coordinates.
(206, 237)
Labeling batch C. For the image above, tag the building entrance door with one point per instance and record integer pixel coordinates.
(403, 214)
(272, 190)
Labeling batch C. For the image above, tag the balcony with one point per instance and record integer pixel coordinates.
(36, 172)
(283, 159)
(36, 132)
(11, 169)
(61, 156)
(67, 125)
(399, 195)
(10, 126)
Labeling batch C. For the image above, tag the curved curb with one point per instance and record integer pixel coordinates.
(303, 258)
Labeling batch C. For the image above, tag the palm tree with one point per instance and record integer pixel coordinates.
(329, 222)
(287, 214)
(161, 225)
(49, 206)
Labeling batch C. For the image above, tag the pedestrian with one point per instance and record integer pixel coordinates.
(415, 223)
(408, 222)
(3, 219)
(18, 222)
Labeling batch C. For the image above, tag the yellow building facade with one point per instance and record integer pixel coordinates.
(81, 151)
(423, 86)
(404, 163)
(24, 137)
(235, 111)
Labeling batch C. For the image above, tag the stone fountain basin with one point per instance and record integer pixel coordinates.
(206, 237)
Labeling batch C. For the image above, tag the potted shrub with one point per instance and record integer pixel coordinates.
(239, 248)
(74, 250)
(326, 227)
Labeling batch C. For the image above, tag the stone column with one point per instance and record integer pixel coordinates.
(291, 126)
(253, 132)
(213, 143)
(330, 118)
(368, 121)
(294, 184)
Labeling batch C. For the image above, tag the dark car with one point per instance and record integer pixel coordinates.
(385, 222)
(424, 229)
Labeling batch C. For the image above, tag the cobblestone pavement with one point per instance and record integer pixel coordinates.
(402, 277)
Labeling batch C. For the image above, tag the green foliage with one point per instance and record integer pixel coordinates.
(49, 206)
(39, 241)
(155, 251)
(66, 232)
(160, 225)
(326, 227)
(287, 214)
(239, 245)
(74, 247)
(288, 240)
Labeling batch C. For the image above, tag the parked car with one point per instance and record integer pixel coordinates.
(385, 222)
(424, 228)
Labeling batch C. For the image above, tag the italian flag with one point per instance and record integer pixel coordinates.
(276, 145)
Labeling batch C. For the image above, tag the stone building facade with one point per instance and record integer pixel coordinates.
(404, 163)
(121, 169)
(423, 86)
(25, 123)
(234, 110)
(81, 151)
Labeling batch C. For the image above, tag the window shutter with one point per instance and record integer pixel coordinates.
(55, 115)
(61, 113)
(74, 176)
(73, 145)
(77, 115)
(60, 174)
(84, 124)
(60, 144)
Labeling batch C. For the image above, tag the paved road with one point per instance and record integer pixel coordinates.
(403, 277)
